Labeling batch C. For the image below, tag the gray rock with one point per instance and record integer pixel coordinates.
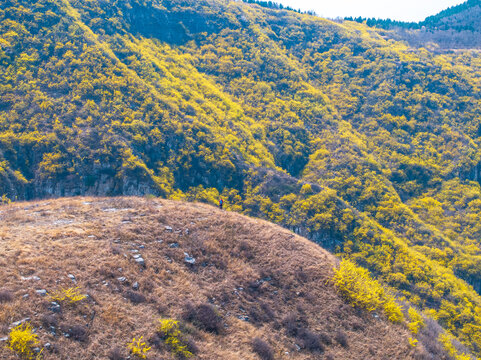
(189, 259)
(135, 286)
(41, 292)
(34, 277)
(26, 296)
(71, 277)
(174, 245)
(168, 228)
(140, 261)
(4, 338)
(55, 307)
(141, 246)
(20, 322)
(122, 279)
(136, 256)
(48, 346)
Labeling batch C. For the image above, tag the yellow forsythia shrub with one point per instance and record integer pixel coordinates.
(393, 310)
(356, 286)
(70, 295)
(417, 321)
(138, 348)
(22, 340)
(447, 341)
(413, 342)
(172, 335)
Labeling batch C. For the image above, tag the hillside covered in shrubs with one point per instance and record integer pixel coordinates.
(94, 278)
(364, 145)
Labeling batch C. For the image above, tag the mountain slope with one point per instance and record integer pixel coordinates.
(327, 129)
(256, 275)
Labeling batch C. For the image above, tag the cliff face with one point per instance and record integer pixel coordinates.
(171, 22)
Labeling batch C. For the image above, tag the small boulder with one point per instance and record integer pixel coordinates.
(34, 277)
(189, 259)
(140, 260)
(243, 318)
(55, 307)
(41, 292)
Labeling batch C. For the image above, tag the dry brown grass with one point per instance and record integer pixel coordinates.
(244, 268)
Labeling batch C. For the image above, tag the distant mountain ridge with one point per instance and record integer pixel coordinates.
(454, 28)
(465, 16)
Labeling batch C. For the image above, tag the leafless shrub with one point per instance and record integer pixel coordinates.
(135, 297)
(261, 313)
(5, 296)
(77, 332)
(341, 338)
(49, 320)
(293, 323)
(116, 354)
(263, 349)
(325, 338)
(204, 316)
(310, 341)
(191, 345)
(428, 337)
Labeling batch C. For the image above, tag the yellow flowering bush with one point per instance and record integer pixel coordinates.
(70, 295)
(170, 331)
(138, 348)
(22, 340)
(356, 285)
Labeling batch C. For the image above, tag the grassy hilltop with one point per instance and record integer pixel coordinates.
(250, 279)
